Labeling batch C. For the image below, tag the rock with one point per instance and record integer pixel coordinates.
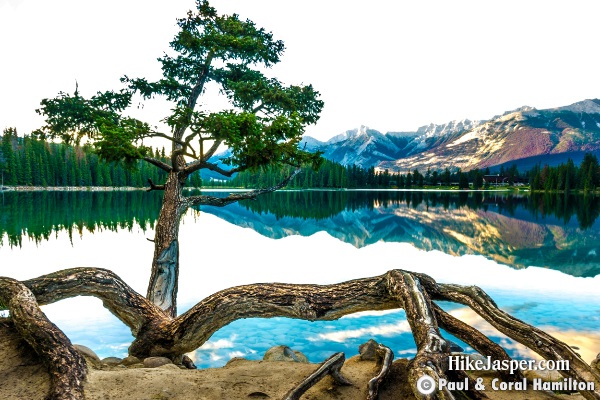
(235, 360)
(188, 363)
(284, 353)
(86, 352)
(130, 360)
(112, 360)
(368, 350)
(154, 362)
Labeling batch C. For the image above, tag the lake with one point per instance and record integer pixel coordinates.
(537, 256)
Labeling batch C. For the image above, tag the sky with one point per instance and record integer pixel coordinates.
(389, 65)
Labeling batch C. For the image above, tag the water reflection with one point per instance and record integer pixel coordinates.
(554, 231)
(37, 215)
(560, 231)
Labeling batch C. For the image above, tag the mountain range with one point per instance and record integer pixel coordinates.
(525, 137)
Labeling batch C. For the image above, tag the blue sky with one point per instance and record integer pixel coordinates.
(389, 65)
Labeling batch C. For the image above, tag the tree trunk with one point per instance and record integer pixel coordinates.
(162, 288)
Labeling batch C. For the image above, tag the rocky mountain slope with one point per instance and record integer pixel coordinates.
(523, 136)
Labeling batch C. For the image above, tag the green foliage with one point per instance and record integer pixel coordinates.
(99, 119)
(266, 120)
(38, 216)
(30, 161)
(262, 127)
(567, 177)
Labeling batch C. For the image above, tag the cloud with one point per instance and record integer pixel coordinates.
(219, 344)
(383, 330)
(371, 313)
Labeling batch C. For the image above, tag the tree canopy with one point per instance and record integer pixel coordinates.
(263, 125)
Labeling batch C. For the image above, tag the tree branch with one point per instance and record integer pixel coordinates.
(165, 136)
(212, 149)
(201, 164)
(154, 187)
(232, 198)
(158, 163)
(197, 90)
(131, 308)
(66, 366)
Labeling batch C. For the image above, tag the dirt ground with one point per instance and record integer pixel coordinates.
(22, 376)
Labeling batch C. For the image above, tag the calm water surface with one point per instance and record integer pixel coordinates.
(538, 257)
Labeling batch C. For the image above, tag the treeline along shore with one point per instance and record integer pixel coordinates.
(28, 163)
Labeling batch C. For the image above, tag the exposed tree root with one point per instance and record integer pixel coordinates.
(385, 357)
(476, 340)
(157, 334)
(537, 340)
(331, 366)
(65, 365)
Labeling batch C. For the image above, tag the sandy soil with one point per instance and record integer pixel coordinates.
(22, 376)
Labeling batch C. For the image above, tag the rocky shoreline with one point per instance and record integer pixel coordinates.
(24, 377)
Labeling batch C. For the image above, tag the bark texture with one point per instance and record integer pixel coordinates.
(65, 365)
(385, 357)
(157, 333)
(476, 340)
(331, 366)
(164, 276)
(162, 287)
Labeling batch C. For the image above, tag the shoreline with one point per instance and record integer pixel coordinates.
(225, 189)
(69, 188)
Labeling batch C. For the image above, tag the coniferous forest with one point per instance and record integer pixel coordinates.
(27, 161)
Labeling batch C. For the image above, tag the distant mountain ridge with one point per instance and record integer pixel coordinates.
(520, 136)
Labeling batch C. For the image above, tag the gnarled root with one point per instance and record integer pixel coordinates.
(157, 334)
(331, 366)
(65, 365)
(385, 357)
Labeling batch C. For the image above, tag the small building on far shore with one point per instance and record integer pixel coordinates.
(495, 180)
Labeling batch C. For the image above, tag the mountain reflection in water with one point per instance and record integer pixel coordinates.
(558, 231)
(554, 231)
